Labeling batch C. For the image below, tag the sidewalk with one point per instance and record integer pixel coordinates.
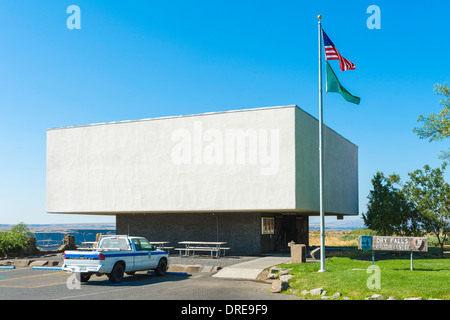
(249, 270)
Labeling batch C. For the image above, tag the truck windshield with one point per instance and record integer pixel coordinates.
(114, 243)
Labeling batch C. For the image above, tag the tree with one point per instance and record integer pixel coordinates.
(436, 127)
(430, 194)
(388, 212)
(15, 240)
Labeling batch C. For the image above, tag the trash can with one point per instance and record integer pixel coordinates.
(298, 253)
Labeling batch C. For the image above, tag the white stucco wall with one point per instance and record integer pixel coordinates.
(189, 163)
(196, 163)
(340, 169)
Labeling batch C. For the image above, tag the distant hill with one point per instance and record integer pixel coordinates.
(346, 224)
(64, 226)
(73, 226)
(350, 224)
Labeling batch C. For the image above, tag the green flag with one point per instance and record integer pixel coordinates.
(333, 85)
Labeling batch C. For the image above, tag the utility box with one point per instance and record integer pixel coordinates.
(298, 253)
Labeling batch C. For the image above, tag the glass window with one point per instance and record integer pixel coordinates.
(145, 245)
(114, 243)
(137, 245)
(268, 225)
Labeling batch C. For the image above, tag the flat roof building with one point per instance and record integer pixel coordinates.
(248, 177)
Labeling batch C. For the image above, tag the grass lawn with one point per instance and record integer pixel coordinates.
(429, 279)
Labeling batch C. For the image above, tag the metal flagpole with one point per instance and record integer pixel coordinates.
(322, 218)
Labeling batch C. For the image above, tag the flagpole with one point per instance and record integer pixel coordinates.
(322, 218)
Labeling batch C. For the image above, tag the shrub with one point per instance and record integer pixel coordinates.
(14, 242)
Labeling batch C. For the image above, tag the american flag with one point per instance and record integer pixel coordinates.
(331, 53)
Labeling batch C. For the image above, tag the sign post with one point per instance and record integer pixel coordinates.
(365, 243)
(373, 259)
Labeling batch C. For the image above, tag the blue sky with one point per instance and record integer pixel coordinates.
(143, 59)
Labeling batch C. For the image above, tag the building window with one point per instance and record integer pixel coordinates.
(268, 225)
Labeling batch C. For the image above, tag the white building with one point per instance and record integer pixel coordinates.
(248, 177)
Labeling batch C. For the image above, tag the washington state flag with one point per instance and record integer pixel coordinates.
(333, 85)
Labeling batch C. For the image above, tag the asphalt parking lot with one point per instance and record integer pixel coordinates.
(37, 284)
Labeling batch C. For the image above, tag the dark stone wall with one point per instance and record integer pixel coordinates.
(241, 231)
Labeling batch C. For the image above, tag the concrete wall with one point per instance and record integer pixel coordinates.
(247, 160)
(230, 161)
(340, 169)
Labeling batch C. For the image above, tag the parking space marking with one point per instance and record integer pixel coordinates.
(116, 289)
(3, 283)
(32, 287)
(6, 270)
(36, 275)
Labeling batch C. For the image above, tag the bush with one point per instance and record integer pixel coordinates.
(433, 241)
(14, 242)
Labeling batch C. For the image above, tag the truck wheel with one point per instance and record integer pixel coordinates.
(83, 277)
(116, 274)
(161, 268)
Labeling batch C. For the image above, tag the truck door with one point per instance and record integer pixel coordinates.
(141, 256)
(149, 260)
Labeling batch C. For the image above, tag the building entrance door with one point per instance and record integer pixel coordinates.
(288, 232)
(290, 227)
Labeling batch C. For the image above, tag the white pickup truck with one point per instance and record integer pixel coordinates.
(114, 256)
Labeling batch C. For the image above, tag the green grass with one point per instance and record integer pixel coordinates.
(429, 279)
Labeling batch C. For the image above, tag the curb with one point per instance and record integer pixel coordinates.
(47, 268)
(19, 263)
(187, 269)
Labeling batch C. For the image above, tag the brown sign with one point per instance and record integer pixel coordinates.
(410, 244)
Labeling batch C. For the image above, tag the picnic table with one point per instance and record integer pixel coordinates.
(192, 246)
(161, 244)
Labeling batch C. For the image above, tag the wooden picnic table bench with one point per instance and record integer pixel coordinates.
(192, 246)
